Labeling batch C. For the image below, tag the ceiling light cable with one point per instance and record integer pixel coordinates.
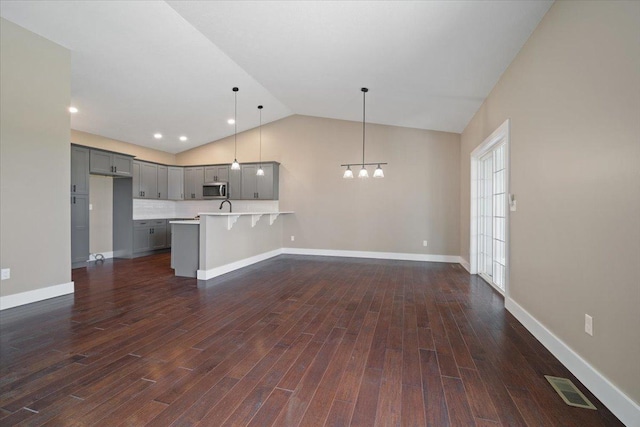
(235, 165)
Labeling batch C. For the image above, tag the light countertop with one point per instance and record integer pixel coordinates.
(243, 213)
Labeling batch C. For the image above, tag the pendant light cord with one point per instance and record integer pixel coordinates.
(364, 106)
(260, 109)
(235, 123)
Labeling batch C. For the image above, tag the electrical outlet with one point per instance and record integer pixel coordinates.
(293, 238)
(588, 324)
(424, 243)
(90, 206)
(6, 273)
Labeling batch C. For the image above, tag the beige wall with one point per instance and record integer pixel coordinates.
(34, 161)
(101, 214)
(417, 200)
(573, 97)
(141, 153)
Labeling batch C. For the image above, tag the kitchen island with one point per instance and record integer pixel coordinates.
(219, 243)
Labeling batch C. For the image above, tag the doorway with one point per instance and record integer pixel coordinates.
(489, 251)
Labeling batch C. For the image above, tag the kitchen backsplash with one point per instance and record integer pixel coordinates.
(158, 209)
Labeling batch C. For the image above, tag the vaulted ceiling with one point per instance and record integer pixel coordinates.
(141, 67)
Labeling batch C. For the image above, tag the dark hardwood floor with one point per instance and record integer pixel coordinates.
(307, 341)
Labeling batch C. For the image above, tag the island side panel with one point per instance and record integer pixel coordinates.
(223, 247)
(185, 244)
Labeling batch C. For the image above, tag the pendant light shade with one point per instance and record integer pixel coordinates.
(348, 174)
(363, 170)
(235, 165)
(260, 171)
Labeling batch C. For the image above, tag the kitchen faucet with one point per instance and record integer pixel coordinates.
(226, 201)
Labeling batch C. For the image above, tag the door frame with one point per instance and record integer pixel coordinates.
(502, 133)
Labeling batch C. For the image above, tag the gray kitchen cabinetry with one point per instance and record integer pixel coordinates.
(216, 173)
(79, 230)
(108, 163)
(193, 181)
(163, 182)
(79, 206)
(149, 235)
(145, 180)
(260, 187)
(175, 189)
(79, 170)
(234, 191)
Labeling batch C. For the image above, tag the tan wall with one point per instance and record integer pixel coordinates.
(417, 200)
(101, 214)
(141, 153)
(573, 97)
(34, 161)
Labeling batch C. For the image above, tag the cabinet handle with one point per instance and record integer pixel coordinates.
(158, 195)
(74, 188)
(115, 169)
(74, 200)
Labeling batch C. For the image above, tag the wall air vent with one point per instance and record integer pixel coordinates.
(569, 392)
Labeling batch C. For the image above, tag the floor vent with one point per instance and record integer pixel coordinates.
(569, 392)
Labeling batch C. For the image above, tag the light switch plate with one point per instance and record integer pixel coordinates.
(6, 273)
(588, 324)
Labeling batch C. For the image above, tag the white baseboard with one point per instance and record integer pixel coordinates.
(36, 295)
(227, 268)
(619, 403)
(374, 255)
(106, 255)
(465, 265)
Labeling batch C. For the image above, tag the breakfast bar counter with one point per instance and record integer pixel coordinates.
(219, 243)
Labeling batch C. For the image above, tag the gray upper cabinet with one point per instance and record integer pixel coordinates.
(79, 170)
(235, 184)
(107, 163)
(193, 181)
(145, 180)
(175, 183)
(123, 165)
(216, 173)
(249, 181)
(163, 182)
(268, 183)
(260, 187)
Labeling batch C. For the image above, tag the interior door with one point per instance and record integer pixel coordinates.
(492, 202)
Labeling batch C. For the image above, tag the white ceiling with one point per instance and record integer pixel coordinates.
(140, 67)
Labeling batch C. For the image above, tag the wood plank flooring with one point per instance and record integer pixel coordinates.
(292, 341)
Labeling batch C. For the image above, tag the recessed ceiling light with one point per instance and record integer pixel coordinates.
(183, 138)
(73, 110)
(231, 121)
(157, 135)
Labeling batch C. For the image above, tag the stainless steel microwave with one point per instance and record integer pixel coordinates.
(215, 190)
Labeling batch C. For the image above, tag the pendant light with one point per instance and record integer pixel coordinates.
(260, 171)
(348, 173)
(235, 165)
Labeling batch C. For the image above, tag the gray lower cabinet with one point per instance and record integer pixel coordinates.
(79, 229)
(79, 170)
(150, 235)
(193, 181)
(259, 187)
(108, 163)
(175, 189)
